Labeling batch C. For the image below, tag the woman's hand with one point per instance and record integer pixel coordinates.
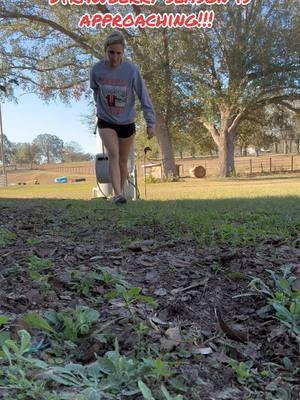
(150, 133)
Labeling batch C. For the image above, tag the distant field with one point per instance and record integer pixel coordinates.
(42, 176)
(244, 166)
(187, 188)
(21, 181)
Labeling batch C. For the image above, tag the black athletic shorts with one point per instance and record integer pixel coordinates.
(123, 131)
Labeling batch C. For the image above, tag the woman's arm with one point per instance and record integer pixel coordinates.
(93, 85)
(142, 93)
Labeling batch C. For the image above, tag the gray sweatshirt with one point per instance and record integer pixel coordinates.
(114, 93)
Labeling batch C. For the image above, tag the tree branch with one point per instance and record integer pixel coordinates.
(35, 18)
(212, 129)
(289, 106)
(237, 120)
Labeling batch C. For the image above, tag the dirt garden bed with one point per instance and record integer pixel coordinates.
(194, 311)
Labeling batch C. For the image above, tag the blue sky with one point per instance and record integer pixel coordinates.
(25, 120)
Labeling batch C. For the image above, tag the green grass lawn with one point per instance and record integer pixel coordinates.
(233, 212)
(288, 185)
(223, 188)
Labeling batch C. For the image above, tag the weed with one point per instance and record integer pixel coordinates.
(111, 279)
(83, 283)
(42, 281)
(15, 269)
(282, 298)
(147, 394)
(113, 375)
(243, 371)
(131, 295)
(6, 237)
(36, 321)
(36, 263)
(3, 319)
(71, 325)
(216, 268)
(35, 266)
(16, 380)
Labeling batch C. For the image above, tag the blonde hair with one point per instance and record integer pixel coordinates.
(116, 37)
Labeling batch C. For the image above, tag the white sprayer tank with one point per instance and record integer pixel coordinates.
(104, 186)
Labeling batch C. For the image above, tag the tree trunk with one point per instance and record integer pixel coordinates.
(165, 144)
(286, 147)
(275, 148)
(298, 145)
(226, 154)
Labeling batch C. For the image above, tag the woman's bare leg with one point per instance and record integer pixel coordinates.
(124, 149)
(111, 143)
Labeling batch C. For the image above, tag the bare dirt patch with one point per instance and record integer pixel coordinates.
(201, 324)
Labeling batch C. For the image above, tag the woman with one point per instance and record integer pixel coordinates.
(115, 83)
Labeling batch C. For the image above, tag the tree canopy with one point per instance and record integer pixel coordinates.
(216, 77)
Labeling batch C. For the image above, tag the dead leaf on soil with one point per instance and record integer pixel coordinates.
(96, 258)
(252, 351)
(296, 285)
(193, 286)
(158, 321)
(116, 250)
(180, 262)
(160, 292)
(205, 351)
(70, 260)
(172, 339)
(87, 351)
(99, 290)
(227, 394)
(276, 332)
(152, 276)
(222, 358)
(65, 297)
(145, 246)
(231, 333)
(34, 296)
(44, 251)
(146, 261)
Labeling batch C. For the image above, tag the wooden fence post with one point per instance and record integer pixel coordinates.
(292, 163)
(250, 166)
(270, 164)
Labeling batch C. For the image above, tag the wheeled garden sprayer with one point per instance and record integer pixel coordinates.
(104, 186)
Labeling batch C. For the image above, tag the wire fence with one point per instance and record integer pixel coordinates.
(244, 166)
(3, 180)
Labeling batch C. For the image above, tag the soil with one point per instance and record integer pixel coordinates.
(206, 314)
